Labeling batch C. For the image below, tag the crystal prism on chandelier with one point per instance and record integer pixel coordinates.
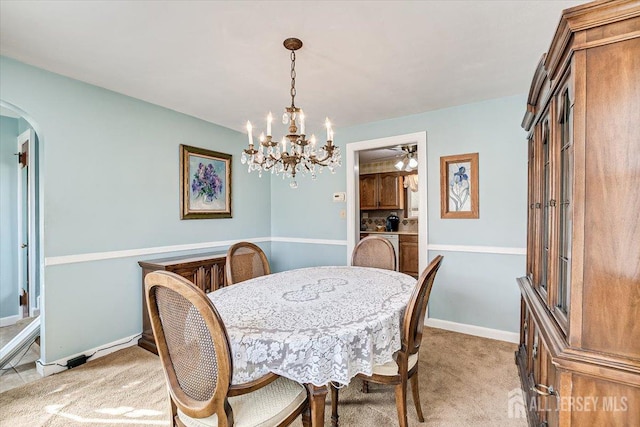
(294, 153)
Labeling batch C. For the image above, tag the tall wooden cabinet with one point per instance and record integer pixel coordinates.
(579, 352)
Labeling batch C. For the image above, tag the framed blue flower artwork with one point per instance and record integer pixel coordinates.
(205, 183)
(459, 186)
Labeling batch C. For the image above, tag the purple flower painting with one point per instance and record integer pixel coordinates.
(206, 183)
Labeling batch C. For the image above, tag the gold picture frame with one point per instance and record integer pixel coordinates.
(205, 183)
(459, 186)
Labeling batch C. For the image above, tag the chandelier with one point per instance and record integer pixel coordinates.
(294, 153)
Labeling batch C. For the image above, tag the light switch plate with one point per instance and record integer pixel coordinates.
(340, 197)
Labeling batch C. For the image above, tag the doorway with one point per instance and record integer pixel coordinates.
(22, 257)
(353, 150)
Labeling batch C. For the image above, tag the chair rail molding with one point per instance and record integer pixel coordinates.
(129, 253)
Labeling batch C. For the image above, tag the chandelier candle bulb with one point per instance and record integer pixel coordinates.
(301, 123)
(284, 145)
(269, 120)
(249, 132)
(327, 123)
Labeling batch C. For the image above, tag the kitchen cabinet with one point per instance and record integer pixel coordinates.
(408, 248)
(579, 329)
(206, 271)
(381, 191)
(369, 192)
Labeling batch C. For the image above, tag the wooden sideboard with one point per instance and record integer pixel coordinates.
(206, 271)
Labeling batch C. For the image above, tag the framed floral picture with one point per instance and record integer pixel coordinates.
(205, 183)
(459, 186)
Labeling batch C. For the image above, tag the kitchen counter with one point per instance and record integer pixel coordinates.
(410, 233)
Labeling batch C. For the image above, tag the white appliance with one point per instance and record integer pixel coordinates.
(395, 242)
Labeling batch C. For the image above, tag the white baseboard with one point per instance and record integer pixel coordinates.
(9, 320)
(478, 331)
(54, 367)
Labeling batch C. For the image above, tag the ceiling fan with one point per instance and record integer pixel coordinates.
(408, 161)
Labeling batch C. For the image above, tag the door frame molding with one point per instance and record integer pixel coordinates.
(353, 190)
(28, 135)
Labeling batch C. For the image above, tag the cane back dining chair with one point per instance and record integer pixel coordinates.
(245, 261)
(405, 366)
(374, 251)
(194, 352)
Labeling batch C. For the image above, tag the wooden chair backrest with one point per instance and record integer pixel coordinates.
(413, 322)
(245, 261)
(374, 251)
(192, 344)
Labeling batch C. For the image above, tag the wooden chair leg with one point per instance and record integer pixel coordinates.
(416, 396)
(401, 402)
(365, 386)
(334, 405)
(306, 417)
(173, 411)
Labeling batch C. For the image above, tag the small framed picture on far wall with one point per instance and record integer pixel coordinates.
(459, 186)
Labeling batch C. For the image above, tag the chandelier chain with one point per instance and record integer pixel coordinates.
(293, 79)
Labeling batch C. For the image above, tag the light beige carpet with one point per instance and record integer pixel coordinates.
(464, 381)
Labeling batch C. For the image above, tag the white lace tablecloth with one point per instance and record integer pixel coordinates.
(314, 325)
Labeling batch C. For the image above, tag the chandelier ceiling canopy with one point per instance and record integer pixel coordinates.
(294, 153)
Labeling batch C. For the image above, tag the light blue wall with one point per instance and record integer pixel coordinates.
(287, 256)
(8, 217)
(472, 288)
(111, 182)
(110, 175)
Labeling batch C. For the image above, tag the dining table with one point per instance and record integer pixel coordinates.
(315, 325)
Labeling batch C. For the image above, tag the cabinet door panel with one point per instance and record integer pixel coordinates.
(390, 194)
(189, 273)
(612, 174)
(409, 255)
(368, 192)
(609, 404)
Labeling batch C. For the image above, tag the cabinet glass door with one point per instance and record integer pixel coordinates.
(564, 232)
(531, 212)
(546, 207)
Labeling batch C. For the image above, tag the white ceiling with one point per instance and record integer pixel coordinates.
(224, 61)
